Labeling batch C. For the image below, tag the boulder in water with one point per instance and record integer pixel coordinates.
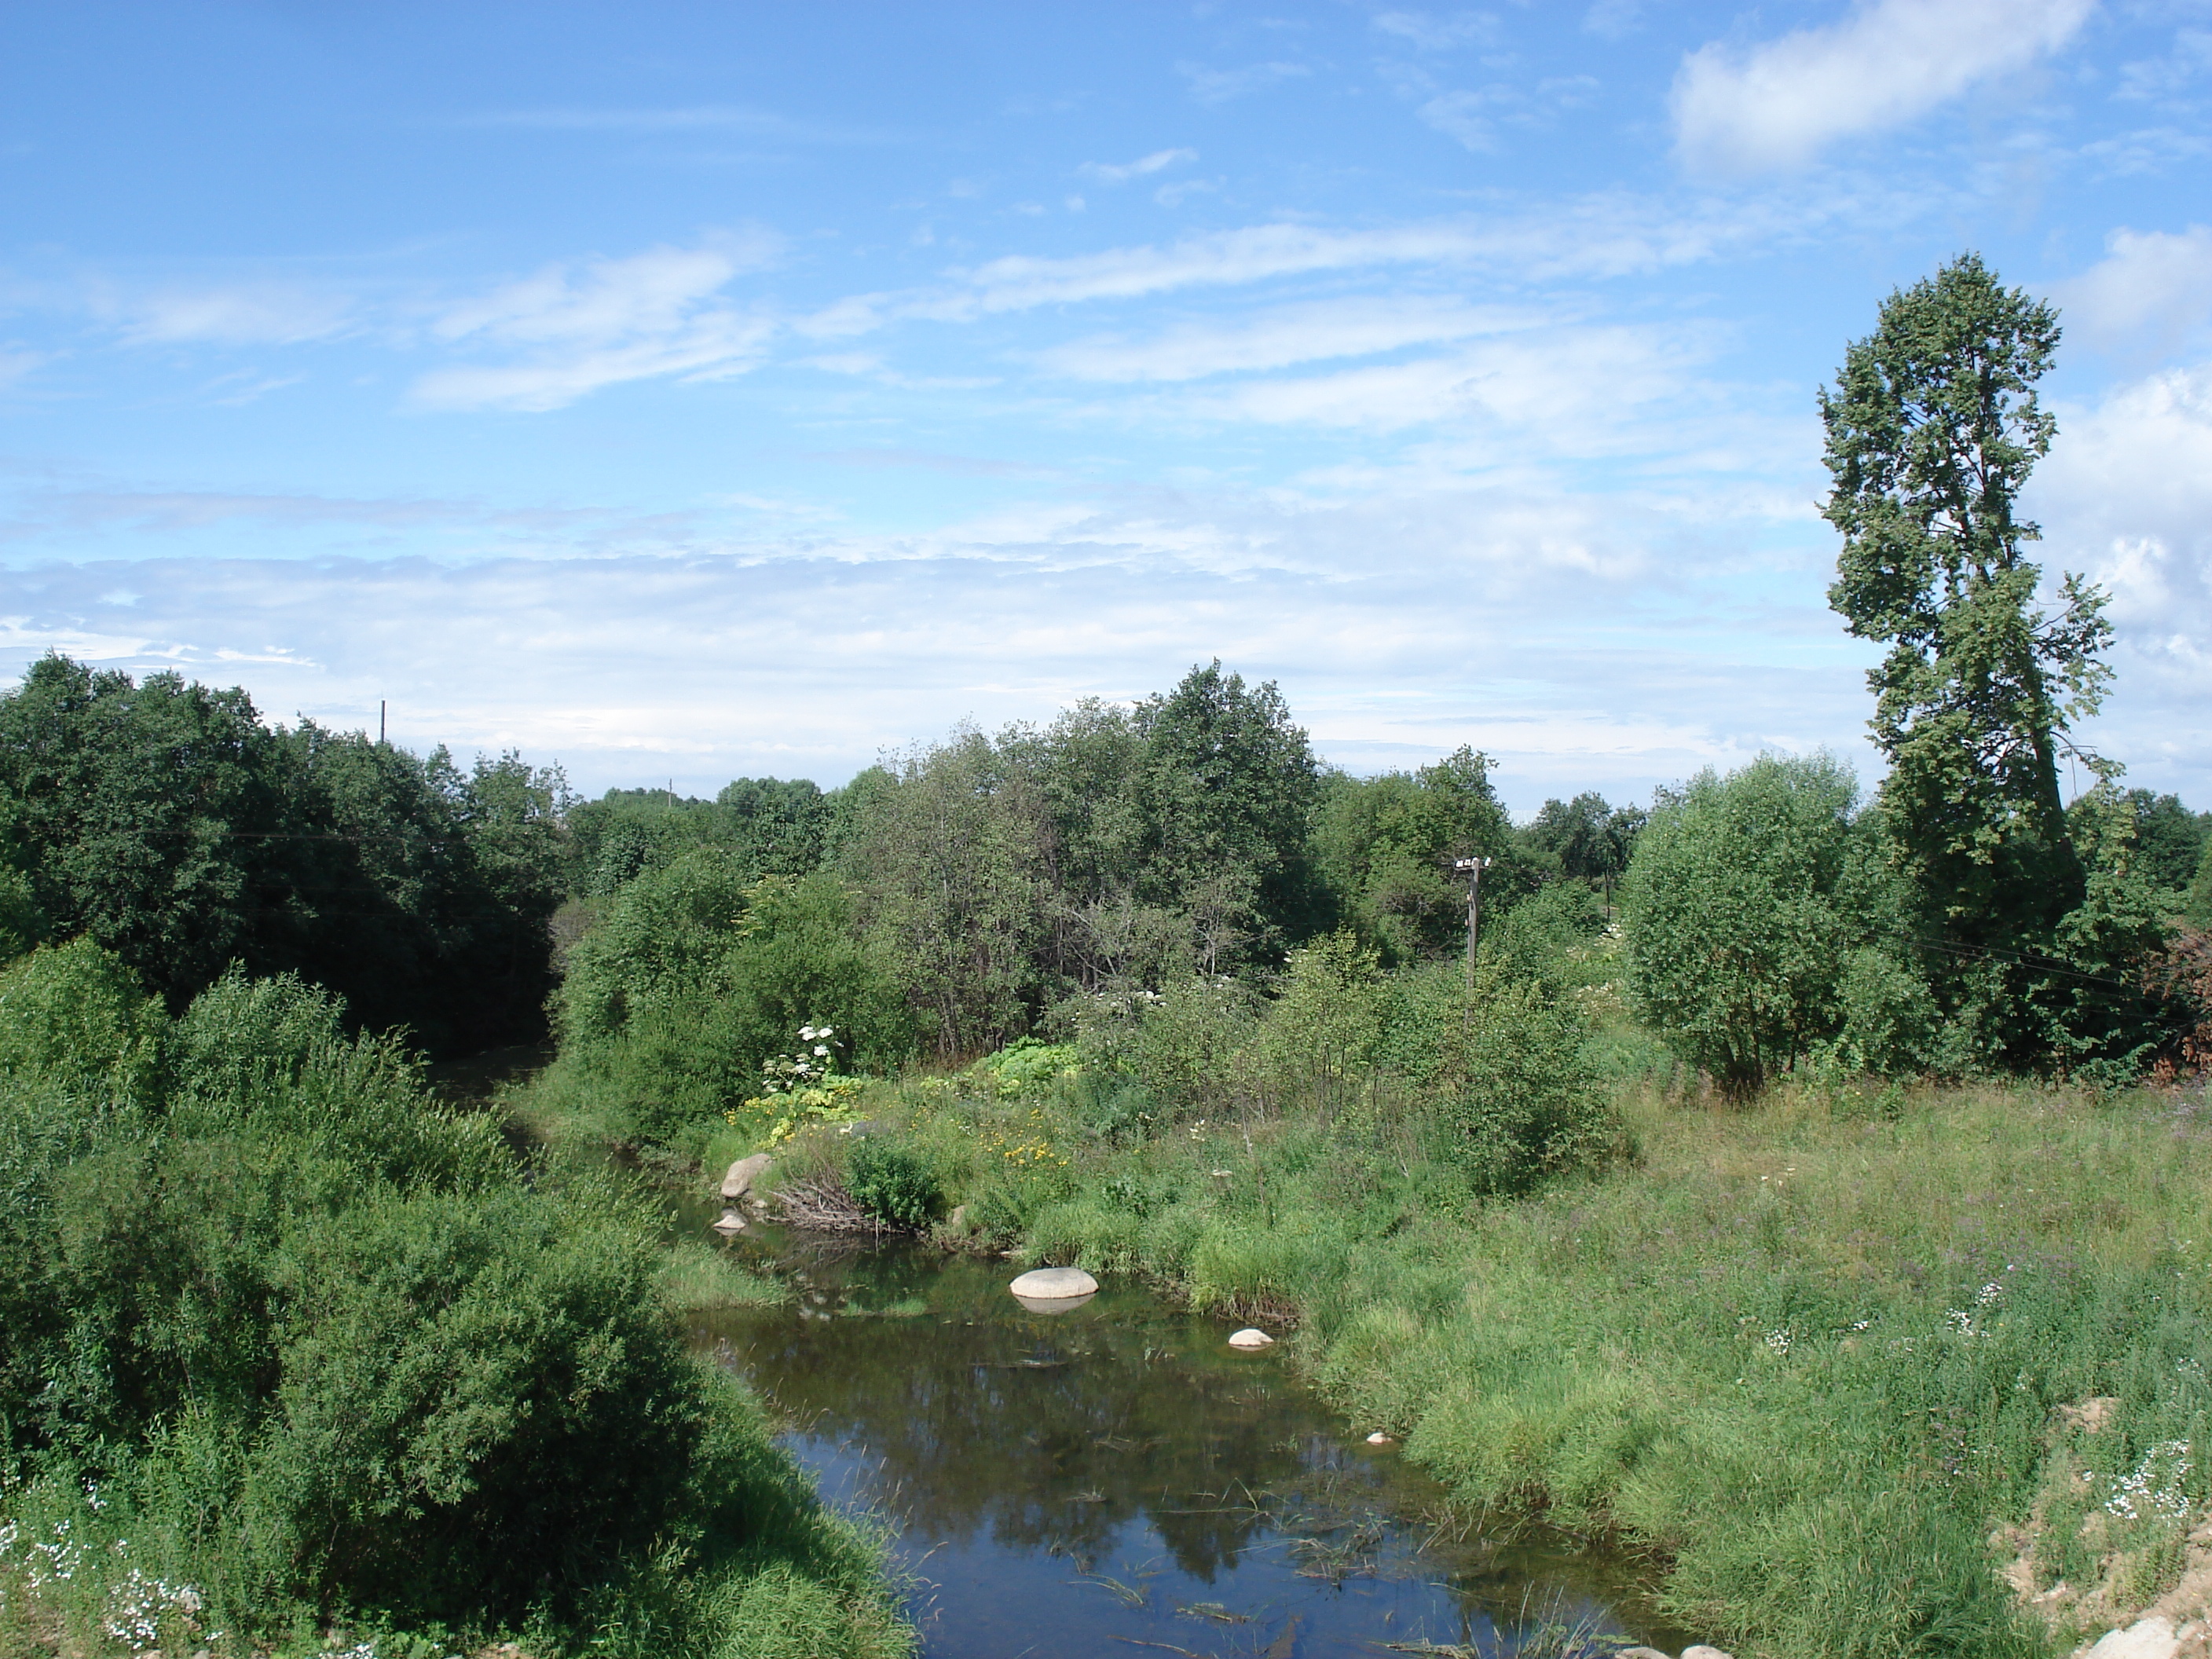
(1054, 1284)
(742, 1174)
(1251, 1337)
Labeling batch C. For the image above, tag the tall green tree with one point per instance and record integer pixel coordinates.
(2169, 838)
(1933, 427)
(1387, 844)
(1228, 790)
(947, 861)
(1587, 839)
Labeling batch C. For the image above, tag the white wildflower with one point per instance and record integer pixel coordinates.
(138, 1604)
(2153, 1487)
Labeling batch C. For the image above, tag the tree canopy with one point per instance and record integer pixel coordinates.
(165, 820)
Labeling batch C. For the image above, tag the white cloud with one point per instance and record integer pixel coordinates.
(1595, 236)
(1211, 86)
(1612, 19)
(1110, 174)
(1176, 194)
(2154, 80)
(250, 313)
(1435, 33)
(2152, 282)
(651, 293)
(2126, 496)
(607, 321)
(1562, 391)
(1465, 115)
(1281, 336)
(14, 364)
(1778, 104)
(1544, 632)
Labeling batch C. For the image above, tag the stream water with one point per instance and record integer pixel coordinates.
(1116, 1480)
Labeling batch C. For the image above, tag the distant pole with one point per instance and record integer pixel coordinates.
(1473, 868)
(379, 720)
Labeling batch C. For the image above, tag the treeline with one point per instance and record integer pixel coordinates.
(168, 822)
(974, 891)
(1774, 920)
(969, 892)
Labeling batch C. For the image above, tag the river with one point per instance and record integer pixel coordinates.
(1117, 1480)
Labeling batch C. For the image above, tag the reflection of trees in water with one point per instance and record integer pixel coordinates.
(1048, 1440)
(1058, 1435)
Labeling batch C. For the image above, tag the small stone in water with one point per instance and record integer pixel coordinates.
(1251, 1337)
(1378, 1439)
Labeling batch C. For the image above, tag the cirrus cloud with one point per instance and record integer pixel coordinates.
(606, 321)
(1779, 105)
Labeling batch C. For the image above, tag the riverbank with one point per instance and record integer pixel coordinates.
(1863, 1373)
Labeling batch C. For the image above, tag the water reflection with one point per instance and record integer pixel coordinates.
(1075, 1483)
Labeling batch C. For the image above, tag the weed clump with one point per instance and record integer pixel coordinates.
(893, 1186)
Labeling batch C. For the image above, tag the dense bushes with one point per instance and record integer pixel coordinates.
(695, 976)
(1767, 923)
(893, 1186)
(311, 1344)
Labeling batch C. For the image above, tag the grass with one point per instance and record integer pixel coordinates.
(696, 1276)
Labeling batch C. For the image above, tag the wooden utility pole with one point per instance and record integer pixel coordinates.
(1472, 869)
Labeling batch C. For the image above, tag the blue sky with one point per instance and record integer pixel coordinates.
(690, 391)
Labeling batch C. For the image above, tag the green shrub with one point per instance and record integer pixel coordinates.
(480, 1406)
(894, 1186)
(1547, 935)
(22, 924)
(1030, 1065)
(1736, 916)
(326, 1355)
(696, 976)
(1521, 1101)
(75, 1016)
(1179, 1043)
(1892, 1025)
(1117, 1110)
(1315, 1043)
